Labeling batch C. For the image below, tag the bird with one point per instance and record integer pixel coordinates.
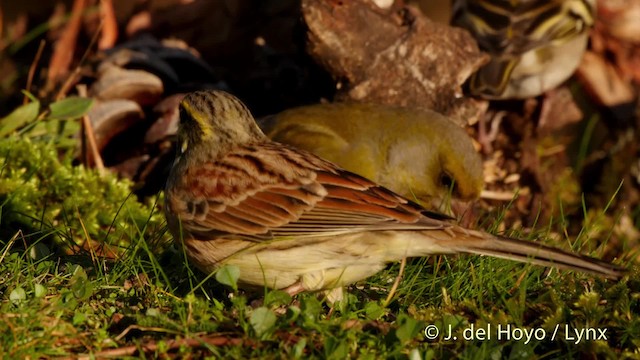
(417, 153)
(534, 45)
(290, 220)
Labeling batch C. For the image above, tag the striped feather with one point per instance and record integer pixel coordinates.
(534, 45)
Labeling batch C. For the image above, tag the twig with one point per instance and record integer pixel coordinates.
(89, 135)
(91, 140)
(32, 69)
(518, 282)
(71, 80)
(168, 345)
(498, 195)
(142, 328)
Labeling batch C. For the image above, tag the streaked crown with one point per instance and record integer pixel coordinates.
(215, 118)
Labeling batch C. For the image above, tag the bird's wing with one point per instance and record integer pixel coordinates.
(513, 28)
(270, 190)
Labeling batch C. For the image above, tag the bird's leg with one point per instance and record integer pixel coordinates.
(294, 289)
(394, 287)
(334, 295)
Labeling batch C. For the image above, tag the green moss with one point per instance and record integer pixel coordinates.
(43, 192)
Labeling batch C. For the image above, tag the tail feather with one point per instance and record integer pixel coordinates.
(479, 243)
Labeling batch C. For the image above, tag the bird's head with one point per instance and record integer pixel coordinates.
(215, 119)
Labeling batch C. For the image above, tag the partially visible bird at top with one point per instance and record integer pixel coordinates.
(534, 45)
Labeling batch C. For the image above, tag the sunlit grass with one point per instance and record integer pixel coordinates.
(73, 281)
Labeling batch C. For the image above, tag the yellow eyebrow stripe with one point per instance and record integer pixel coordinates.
(199, 118)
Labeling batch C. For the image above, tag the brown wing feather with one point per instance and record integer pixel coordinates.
(303, 195)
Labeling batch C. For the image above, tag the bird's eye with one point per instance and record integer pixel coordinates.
(448, 182)
(183, 115)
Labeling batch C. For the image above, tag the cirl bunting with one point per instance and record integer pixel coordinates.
(291, 220)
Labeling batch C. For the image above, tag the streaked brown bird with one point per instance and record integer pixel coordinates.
(291, 220)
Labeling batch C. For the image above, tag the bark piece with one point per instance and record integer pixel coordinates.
(395, 56)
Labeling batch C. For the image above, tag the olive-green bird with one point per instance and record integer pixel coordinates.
(419, 154)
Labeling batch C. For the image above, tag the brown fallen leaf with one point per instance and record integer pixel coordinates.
(65, 46)
(167, 123)
(603, 81)
(617, 36)
(135, 85)
(110, 27)
(558, 111)
(621, 19)
(109, 118)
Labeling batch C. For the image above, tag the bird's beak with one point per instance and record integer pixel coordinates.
(184, 146)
